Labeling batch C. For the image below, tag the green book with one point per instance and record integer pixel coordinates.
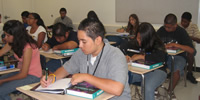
(146, 64)
(84, 90)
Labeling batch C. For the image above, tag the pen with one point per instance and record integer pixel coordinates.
(46, 72)
(69, 84)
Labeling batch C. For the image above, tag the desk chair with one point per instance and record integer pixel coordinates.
(185, 75)
(195, 67)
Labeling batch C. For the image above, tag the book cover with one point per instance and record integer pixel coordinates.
(146, 64)
(84, 90)
(4, 67)
(173, 50)
(69, 50)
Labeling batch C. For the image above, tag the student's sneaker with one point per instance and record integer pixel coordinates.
(191, 78)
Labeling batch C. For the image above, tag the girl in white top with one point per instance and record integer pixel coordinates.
(36, 28)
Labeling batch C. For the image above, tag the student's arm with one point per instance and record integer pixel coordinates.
(46, 47)
(40, 40)
(60, 73)
(66, 45)
(108, 85)
(137, 57)
(157, 56)
(195, 39)
(195, 36)
(5, 49)
(25, 67)
(186, 48)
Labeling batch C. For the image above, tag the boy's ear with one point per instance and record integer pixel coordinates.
(98, 40)
(66, 34)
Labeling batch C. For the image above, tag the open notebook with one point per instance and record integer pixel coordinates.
(59, 87)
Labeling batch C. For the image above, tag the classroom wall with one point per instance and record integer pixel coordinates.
(78, 9)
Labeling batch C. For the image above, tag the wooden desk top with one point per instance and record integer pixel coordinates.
(46, 96)
(52, 55)
(117, 34)
(173, 54)
(140, 70)
(112, 42)
(9, 71)
(198, 79)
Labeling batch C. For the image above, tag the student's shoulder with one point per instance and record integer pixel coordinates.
(181, 30)
(113, 51)
(162, 28)
(28, 27)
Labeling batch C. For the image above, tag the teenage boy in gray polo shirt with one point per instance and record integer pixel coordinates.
(99, 63)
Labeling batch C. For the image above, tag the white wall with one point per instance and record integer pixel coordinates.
(78, 9)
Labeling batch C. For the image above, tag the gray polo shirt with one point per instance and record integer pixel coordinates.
(112, 65)
(67, 21)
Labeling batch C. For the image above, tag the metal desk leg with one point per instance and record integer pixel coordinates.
(172, 73)
(61, 62)
(143, 87)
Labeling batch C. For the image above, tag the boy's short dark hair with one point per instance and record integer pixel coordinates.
(63, 9)
(170, 19)
(25, 14)
(59, 29)
(93, 28)
(187, 15)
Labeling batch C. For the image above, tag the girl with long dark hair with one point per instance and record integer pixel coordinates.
(37, 29)
(26, 52)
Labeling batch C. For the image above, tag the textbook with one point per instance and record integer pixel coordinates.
(66, 52)
(7, 67)
(146, 64)
(173, 50)
(84, 90)
(59, 87)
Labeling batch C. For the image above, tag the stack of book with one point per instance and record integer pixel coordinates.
(67, 52)
(84, 90)
(6, 67)
(146, 64)
(173, 50)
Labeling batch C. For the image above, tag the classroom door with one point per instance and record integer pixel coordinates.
(11, 9)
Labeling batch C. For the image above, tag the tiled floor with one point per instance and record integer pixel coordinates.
(191, 92)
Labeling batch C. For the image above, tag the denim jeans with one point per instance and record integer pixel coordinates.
(153, 80)
(54, 64)
(179, 64)
(9, 87)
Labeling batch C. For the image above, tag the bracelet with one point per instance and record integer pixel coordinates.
(54, 77)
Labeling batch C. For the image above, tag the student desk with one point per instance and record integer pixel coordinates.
(198, 79)
(9, 71)
(50, 54)
(141, 71)
(172, 70)
(47, 96)
(112, 42)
